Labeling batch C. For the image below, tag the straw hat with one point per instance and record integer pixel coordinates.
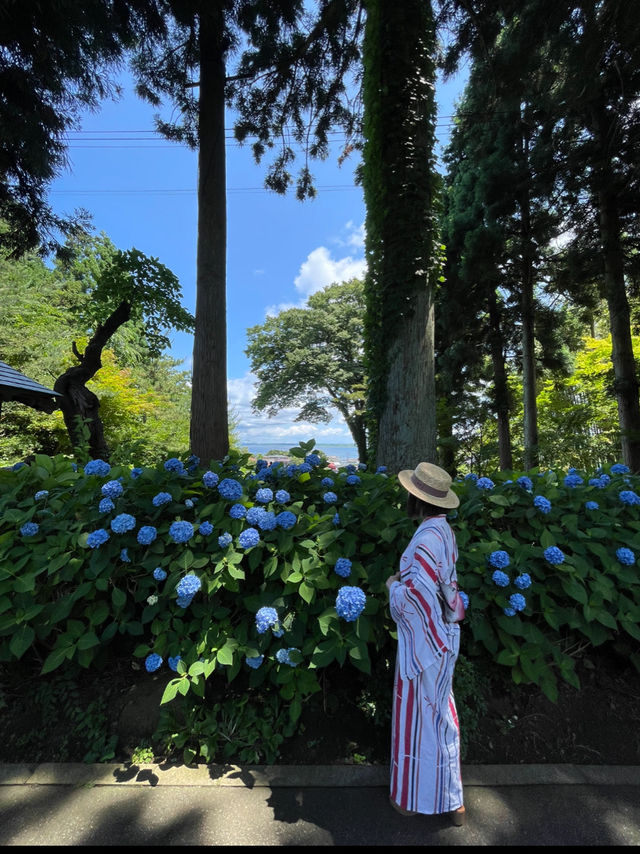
(430, 483)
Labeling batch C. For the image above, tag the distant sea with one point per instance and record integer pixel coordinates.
(343, 453)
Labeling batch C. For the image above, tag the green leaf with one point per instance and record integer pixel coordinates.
(21, 640)
(170, 691)
(88, 640)
(119, 598)
(306, 591)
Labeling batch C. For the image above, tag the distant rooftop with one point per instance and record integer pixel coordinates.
(18, 387)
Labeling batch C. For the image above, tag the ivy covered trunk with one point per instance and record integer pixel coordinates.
(624, 366)
(209, 413)
(398, 181)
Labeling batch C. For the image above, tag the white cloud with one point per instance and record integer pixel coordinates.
(320, 270)
(281, 430)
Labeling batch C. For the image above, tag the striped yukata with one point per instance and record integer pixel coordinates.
(425, 738)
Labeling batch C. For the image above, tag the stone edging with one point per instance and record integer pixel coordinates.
(320, 776)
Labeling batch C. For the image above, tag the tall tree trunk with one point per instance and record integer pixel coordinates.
(398, 181)
(500, 386)
(624, 367)
(407, 431)
(530, 407)
(209, 410)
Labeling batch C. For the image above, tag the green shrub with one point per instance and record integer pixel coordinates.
(76, 576)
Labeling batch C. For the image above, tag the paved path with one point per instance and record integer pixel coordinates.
(118, 804)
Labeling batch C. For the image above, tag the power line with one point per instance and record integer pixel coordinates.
(186, 191)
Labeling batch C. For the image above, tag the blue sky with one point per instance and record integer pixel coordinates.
(141, 192)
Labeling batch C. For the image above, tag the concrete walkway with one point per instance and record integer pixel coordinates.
(120, 804)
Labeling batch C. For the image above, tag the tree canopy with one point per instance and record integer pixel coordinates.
(312, 358)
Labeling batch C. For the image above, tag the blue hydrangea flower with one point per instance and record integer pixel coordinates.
(136, 472)
(304, 468)
(248, 538)
(518, 602)
(543, 504)
(181, 532)
(225, 540)
(153, 662)
(255, 661)
(264, 495)
(188, 585)
(362, 466)
(485, 483)
(554, 555)
(510, 612)
(500, 578)
(106, 505)
(161, 498)
(626, 556)
(21, 465)
(124, 556)
(172, 661)
(97, 538)
(605, 480)
(350, 603)
(98, 467)
(343, 567)
(499, 559)
(286, 519)
(284, 656)
(205, 529)
(350, 468)
(326, 481)
(122, 523)
(238, 511)
(146, 535)
(381, 469)
(619, 468)
(210, 479)
(522, 581)
(591, 505)
(188, 503)
(255, 515)
(112, 489)
(313, 459)
(159, 574)
(41, 494)
(336, 518)
(175, 465)
(628, 496)
(230, 489)
(282, 496)
(329, 498)
(184, 601)
(352, 479)
(471, 476)
(573, 480)
(465, 599)
(268, 522)
(266, 618)
(29, 529)
(525, 482)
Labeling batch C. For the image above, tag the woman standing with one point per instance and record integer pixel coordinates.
(426, 606)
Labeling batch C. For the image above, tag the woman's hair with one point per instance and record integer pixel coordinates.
(419, 509)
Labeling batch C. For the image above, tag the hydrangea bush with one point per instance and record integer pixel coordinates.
(274, 573)
(561, 566)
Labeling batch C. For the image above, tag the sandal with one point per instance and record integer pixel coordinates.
(399, 809)
(458, 817)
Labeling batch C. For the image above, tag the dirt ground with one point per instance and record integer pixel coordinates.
(597, 724)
